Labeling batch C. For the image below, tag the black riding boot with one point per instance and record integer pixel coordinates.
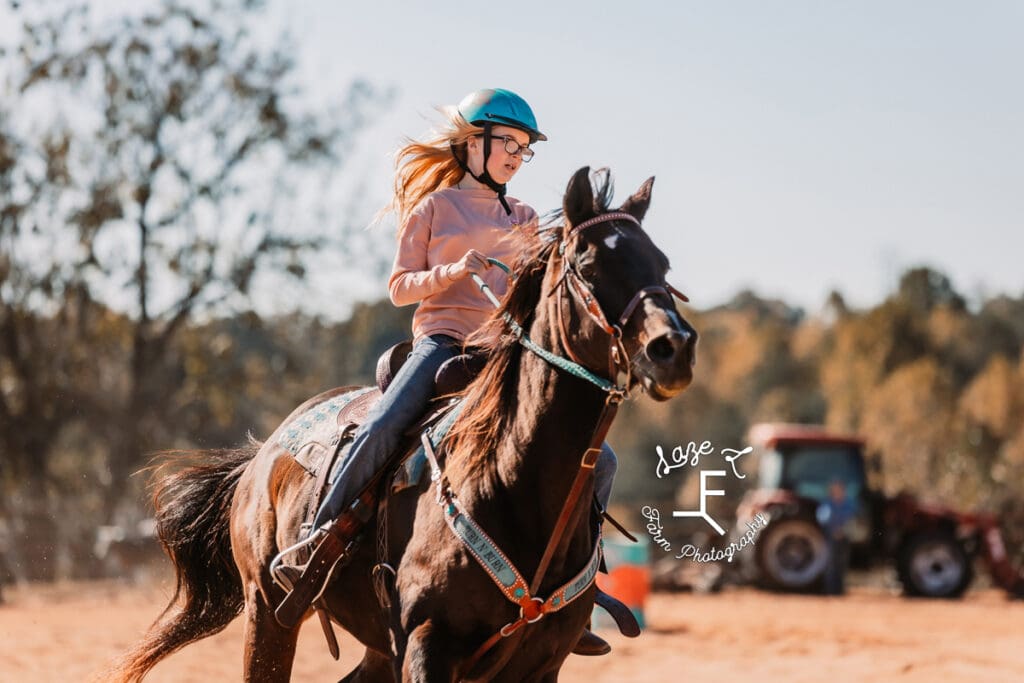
(591, 645)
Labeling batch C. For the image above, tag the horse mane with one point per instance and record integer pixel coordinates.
(489, 403)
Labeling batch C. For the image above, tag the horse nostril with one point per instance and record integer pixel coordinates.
(661, 350)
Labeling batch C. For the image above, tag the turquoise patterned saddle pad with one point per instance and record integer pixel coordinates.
(311, 437)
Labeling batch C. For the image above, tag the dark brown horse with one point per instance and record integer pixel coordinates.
(511, 457)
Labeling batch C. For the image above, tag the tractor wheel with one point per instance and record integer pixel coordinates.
(933, 564)
(791, 554)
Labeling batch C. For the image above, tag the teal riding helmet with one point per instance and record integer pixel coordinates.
(501, 107)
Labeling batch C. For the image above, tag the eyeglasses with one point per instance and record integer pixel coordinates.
(513, 147)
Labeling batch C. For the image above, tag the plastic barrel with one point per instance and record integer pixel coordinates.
(628, 578)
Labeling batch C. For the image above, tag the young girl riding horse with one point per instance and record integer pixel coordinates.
(454, 215)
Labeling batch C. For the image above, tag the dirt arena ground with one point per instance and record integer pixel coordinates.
(69, 632)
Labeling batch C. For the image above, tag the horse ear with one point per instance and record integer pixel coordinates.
(637, 204)
(579, 197)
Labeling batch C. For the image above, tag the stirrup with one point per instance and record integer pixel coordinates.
(285, 574)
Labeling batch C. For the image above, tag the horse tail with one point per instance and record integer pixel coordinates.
(193, 513)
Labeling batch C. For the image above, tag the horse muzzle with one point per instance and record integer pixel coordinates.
(664, 364)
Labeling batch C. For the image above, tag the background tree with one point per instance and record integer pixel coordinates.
(155, 168)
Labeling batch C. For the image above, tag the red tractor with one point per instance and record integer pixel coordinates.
(933, 547)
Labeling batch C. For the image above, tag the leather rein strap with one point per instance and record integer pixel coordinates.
(583, 474)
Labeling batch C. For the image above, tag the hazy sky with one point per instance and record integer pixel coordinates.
(798, 146)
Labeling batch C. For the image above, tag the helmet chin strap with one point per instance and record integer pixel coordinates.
(485, 177)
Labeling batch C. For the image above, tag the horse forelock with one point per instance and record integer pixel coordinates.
(603, 188)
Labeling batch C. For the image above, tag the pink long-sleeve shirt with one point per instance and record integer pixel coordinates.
(445, 225)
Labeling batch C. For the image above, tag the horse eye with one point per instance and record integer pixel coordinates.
(586, 267)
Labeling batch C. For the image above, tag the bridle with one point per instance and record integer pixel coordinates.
(531, 608)
(571, 281)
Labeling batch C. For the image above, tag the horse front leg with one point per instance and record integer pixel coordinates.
(428, 657)
(269, 647)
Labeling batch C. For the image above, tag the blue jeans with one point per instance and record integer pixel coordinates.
(604, 474)
(404, 402)
(834, 578)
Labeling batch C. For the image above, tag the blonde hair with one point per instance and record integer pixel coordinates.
(422, 167)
